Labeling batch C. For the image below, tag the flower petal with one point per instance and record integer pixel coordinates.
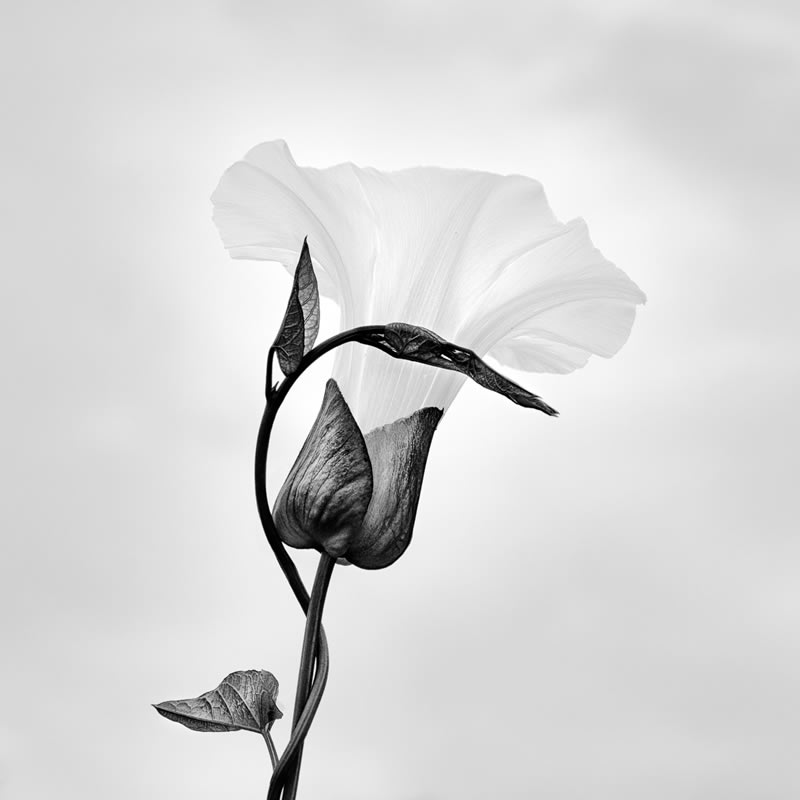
(398, 453)
(324, 498)
(265, 205)
(549, 309)
(563, 338)
(562, 291)
(478, 258)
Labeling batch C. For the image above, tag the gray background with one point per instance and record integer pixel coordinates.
(600, 606)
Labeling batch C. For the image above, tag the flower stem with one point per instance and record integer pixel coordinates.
(299, 732)
(275, 397)
(273, 753)
(310, 647)
(286, 773)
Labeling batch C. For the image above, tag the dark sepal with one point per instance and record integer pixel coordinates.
(324, 498)
(398, 452)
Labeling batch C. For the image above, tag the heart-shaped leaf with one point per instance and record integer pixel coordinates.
(244, 701)
(413, 343)
(301, 321)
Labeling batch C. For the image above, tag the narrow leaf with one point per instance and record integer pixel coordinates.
(244, 701)
(413, 343)
(301, 321)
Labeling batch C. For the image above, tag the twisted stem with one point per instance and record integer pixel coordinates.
(287, 769)
(310, 648)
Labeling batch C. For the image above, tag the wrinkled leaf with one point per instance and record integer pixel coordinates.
(301, 321)
(414, 343)
(244, 701)
(356, 496)
(324, 498)
(398, 453)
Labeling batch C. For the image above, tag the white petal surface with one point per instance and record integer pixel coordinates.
(478, 258)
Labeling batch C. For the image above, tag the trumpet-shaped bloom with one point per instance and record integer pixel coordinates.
(478, 258)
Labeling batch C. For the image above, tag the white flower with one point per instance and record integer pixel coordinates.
(478, 258)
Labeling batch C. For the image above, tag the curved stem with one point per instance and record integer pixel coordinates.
(275, 397)
(268, 382)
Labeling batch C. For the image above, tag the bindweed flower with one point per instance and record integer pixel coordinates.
(478, 258)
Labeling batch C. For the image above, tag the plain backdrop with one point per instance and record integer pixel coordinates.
(605, 606)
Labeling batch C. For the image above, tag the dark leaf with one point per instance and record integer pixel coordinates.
(244, 701)
(324, 498)
(398, 453)
(301, 321)
(414, 343)
(356, 496)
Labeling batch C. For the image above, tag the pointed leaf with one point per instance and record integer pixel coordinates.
(244, 701)
(398, 453)
(324, 498)
(414, 343)
(301, 321)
